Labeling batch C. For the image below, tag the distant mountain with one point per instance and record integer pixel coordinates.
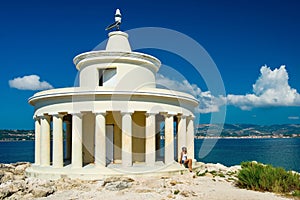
(16, 135)
(202, 130)
(248, 130)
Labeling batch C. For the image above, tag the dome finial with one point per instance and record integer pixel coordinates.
(117, 22)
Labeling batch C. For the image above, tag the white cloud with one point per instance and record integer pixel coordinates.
(31, 82)
(270, 89)
(207, 102)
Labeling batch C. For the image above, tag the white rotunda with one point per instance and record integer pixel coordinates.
(115, 122)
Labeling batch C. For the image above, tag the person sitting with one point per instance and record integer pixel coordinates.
(187, 162)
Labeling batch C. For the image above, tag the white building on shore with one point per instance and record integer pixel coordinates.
(115, 122)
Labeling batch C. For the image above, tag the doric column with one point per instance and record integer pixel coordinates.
(68, 139)
(37, 141)
(76, 140)
(190, 137)
(45, 140)
(150, 139)
(169, 138)
(58, 158)
(126, 139)
(181, 134)
(100, 140)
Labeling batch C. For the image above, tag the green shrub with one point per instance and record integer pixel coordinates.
(230, 173)
(256, 176)
(176, 192)
(201, 174)
(221, 175)
(296, 193)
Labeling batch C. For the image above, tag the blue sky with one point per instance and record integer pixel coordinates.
(42, 37)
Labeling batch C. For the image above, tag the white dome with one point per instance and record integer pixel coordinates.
(118, 41)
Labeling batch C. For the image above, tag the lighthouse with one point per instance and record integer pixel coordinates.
(115, 122)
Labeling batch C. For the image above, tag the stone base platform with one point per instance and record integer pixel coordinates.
(92, 172)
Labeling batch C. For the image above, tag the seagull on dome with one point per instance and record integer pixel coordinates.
(117, 22)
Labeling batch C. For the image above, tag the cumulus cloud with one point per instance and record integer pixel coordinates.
(31, 82)
(207, 102)
(270, 89)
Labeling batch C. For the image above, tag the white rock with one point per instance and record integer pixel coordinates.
(117, 186)
(20, 169)
(40, 191)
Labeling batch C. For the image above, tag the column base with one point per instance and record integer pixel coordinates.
(93, 172)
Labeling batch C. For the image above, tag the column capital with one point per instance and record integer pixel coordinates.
(100, 113)
(166, 114)
(36, 117)
(45, 116)
(126, 113)
(149, 114)
(190, 117)
(181, 116)
(59, 115)
(79, 114)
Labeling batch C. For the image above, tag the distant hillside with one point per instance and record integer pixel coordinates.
(248, 130)
(202, 130)
(16, 135)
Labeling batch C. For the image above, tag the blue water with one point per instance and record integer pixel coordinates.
(11, 152)
(278, 152)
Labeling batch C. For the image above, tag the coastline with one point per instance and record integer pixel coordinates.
(246, 137)
(16, 140)
(207, 137)
(208, 181)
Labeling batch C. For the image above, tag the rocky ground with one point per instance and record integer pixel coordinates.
(211, 181)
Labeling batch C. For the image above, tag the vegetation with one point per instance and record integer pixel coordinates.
(176, 192)
(215, 173)
(260, 177)
(199, 173)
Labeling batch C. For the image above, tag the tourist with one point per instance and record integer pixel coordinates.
(187, 162)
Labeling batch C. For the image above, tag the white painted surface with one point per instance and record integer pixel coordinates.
(126, 139)
(190, 138)
(37, 139)
(57, 141)
(128, 87)
(150, 139)
(118, 41)
(45, 141)
(181, 135)
(169, 139)
(76, 140)
(100, 140)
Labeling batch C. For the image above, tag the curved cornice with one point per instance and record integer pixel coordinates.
(106, 56)
(79, 92)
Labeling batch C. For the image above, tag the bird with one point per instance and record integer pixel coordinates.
(117, 22)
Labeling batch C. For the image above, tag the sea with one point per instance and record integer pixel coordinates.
(279, 152)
